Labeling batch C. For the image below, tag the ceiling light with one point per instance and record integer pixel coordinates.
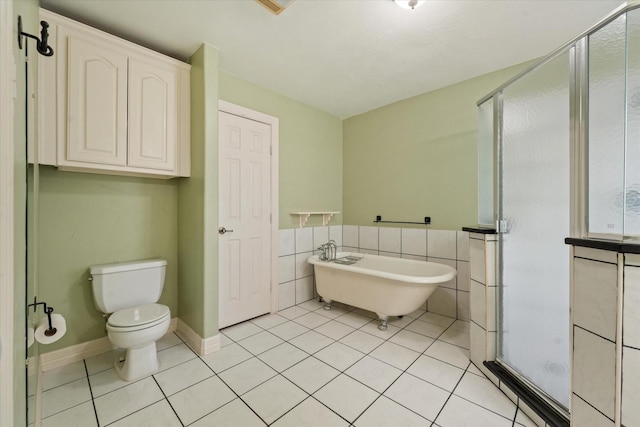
(409, 4)
(276, 6)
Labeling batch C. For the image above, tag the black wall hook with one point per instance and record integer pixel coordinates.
(42, 46)
(47, 311)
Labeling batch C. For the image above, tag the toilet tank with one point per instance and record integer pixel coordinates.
(127, 284)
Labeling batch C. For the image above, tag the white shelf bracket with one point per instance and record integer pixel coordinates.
(303, 217)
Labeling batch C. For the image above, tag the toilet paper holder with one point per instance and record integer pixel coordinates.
(47, 310)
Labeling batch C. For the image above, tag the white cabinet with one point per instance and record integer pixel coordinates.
(154, 114)
(120, 108)
(96, 100)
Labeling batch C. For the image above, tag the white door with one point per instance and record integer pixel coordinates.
(245, 223)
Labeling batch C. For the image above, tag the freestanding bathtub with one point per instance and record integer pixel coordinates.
(387, 286)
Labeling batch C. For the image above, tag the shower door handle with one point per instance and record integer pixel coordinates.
(223, 230)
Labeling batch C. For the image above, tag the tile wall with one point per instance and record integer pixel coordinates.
(606, 338)
(483, 328)
(444, 246)
(630, 412)
(594, 305)
(295, 282)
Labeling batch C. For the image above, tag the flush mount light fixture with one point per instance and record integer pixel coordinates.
(409, 4)
(276, 6)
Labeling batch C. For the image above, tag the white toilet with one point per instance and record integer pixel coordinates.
(129, 292)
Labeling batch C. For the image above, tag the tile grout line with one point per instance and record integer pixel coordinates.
(237, 396)
(449, 397)
(403, 372)
(470, 401)
(130, 383)
(340, 371)
(144, 407)
(589, 403)
(309, 396)
(167, 398)
(215, 375)
(309, 355)
(93, 403)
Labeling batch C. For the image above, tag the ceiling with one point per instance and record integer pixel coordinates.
(347, 57)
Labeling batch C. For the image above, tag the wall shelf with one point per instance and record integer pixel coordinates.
(304, 216)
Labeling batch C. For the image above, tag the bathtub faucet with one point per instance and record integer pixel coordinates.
(329, 251)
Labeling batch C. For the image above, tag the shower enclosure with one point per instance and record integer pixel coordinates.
(558, 149)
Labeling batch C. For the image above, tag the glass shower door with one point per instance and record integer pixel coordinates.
(534, 198)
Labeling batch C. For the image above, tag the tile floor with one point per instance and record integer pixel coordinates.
(301, 367)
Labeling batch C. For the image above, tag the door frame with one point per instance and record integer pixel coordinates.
(274, 123)
(7, 96)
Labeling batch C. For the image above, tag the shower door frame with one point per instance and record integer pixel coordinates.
(501, 229)
(578, 169)
(7, 85)
(578, 113)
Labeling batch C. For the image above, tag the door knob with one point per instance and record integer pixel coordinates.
(223, 230)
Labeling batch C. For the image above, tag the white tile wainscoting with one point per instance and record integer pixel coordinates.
(606, 336)
(296, 279)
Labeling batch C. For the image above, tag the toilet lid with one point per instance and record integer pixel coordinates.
(138, 315)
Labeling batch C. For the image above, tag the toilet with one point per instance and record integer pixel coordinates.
(129, 292)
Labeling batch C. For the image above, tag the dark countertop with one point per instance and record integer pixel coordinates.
(605, 245)
(479, 230)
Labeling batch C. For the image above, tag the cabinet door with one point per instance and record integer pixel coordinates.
(47, 130)
(153, 114)
(96, 89)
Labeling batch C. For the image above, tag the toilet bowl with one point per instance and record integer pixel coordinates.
(130, 291)
(136, 329)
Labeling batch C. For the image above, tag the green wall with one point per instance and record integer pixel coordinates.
(88, 219)
(418, 157)
(410, 159)
(310, 158)
(198, 201)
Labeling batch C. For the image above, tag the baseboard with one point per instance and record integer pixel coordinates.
(202, 346)
(65, 356)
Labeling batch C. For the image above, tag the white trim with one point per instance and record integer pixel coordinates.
(210, 345)
(274, 122)
(65, 356)
(7, 92)
(617, 411)
(202, 346)
(38, 400)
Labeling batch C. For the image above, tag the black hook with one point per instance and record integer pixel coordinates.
(47, 311)
(42, 45)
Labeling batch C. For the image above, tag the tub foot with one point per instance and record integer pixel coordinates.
(383, 322)
(327, 304)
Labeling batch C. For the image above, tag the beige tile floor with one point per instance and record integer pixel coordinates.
(303, 366)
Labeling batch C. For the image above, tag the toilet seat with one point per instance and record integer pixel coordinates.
(138, 317)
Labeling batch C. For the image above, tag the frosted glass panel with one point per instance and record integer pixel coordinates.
(485, 163)
(607, 128)
(534, 202)
(632, 178)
